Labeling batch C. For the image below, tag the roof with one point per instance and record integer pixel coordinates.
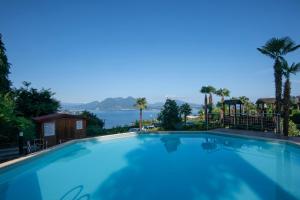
(56, 116)
(233, 101)
(266, 101)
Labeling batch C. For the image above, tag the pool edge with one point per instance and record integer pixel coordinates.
(21, 159)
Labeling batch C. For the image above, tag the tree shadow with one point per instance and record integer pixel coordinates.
(188, 173)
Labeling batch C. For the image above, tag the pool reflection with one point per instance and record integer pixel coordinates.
(171, 143)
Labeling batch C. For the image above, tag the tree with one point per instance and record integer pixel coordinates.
(31, 102)
(141, 104)
(185, 110)
(4, 69)
(10, 123)
(248, 105)
(276, 48)
(222, 92)
(169, 115)
(94, 124)
(287, 71)
(207, 106)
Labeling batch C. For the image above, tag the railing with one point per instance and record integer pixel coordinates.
(263, 122)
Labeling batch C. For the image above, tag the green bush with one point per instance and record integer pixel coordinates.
(296, 117)
(115, 130)
(293, 130)
(144, 122)
(27, 127)
(11, 124)
(94, 130)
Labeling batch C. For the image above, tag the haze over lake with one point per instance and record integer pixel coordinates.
(124, 117)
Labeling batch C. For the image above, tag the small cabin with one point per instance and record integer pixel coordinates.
(60, 127)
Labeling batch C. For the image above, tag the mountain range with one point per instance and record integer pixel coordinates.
(118, 103)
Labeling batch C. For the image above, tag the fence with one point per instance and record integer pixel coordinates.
(263, 122)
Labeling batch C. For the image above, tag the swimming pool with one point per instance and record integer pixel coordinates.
(159, 166)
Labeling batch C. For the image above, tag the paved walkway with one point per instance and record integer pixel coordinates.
(259, 134)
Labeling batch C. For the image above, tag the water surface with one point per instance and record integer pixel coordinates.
(166, 166)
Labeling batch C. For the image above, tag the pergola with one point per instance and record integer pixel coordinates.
(235, 103)
(263, 102)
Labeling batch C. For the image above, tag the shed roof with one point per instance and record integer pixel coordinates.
(56, 116)
(266, 101)
(233, 101)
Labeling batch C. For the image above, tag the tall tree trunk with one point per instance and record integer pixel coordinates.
(222, 109)
(278, 85)
(210, 102)
(205, 110)
(286, 106)
(185, 119)
(141, 118)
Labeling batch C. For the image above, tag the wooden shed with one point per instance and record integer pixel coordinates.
(60, 127)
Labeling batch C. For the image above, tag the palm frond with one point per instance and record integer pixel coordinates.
(293, 48)
(266, 52)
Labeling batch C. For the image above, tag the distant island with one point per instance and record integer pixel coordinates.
(118, 103)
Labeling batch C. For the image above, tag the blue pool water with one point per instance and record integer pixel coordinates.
(166, 166)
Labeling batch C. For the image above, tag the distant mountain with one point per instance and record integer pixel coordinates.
(118, 103)
(159, 105)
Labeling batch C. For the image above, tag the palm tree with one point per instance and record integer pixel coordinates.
(222, 92)
(207, 90)
(212, 90)
(185, 110)
(287, 71)
(141, 104)
(276, 48)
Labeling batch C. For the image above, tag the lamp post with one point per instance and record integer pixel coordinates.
(21, 141)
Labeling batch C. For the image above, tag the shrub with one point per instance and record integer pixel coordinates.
(27, 127)
(94, 130)
(296, 117)
(293, 130)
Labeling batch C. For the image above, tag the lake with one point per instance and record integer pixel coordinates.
(124, 117)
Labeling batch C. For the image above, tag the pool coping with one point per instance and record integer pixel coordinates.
(243, 134)
(228, 132)
(42, 152)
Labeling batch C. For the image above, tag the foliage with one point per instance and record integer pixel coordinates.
(93, 130)
(27, 127)
(116, 130)
(94, 124)
(31, 102)
(222, 92)
(207, 89)
(201, 126)
(249, 106)
(144, 122)
(4, 69)
(92, 119)
(287, 70)
(141, 103)
(169, 115)
(293, 130)
(296, 117)
(7, 108)
(10, 123)
(185, 110)
(276, 48)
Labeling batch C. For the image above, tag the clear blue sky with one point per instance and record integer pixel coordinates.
(90, 50)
